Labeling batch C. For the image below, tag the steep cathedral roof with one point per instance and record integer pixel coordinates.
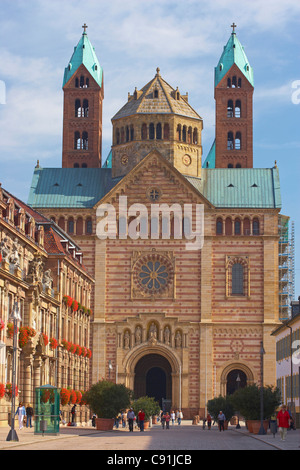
(84, 53)
(157, 97)
(233, 53)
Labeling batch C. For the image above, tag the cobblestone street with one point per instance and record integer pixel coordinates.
(178, 438)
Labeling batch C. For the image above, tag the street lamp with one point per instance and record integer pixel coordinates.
(238, 380)
(15, 317)
(262, 352)
(110, 368)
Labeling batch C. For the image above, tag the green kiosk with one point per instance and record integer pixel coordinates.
(46, 411)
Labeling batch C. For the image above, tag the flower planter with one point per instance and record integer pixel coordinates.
(254, 426)
(154, 420)
(146, 424)
(104, 424)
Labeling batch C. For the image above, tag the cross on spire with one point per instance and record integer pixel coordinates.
(233, 27)
(84, 28)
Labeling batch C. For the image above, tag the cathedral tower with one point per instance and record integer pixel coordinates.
(234, 107)
(157, 117)
(83, 97)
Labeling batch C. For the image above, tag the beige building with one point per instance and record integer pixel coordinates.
(170, 322)
(39, 266)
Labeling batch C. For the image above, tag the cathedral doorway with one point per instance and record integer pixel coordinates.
(153, 378)
(235, 379)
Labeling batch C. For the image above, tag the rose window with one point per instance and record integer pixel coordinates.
(153, 273)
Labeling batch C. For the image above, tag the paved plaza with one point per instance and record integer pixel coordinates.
(186, 437)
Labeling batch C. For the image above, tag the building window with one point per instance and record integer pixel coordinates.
(85, 141)
(77, 141)
(255, 227)
(219, 226)
(89, 226)
(71, 225)
(151, 131)
(238, 141)
(237, 110)
(230, 109)
(237, 279)
(237, 227)
(85, 108)
(230, 145)
(158, 131)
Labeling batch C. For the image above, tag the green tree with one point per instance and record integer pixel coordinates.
(106, 399)
(220, 403)
(247, 401)
(148, 404)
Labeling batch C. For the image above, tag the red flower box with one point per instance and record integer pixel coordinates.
(53, 343)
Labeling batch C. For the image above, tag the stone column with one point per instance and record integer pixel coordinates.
(37, 372)
(27, 392)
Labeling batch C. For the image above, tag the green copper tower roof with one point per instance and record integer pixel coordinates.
(233, 54)
(84, 53)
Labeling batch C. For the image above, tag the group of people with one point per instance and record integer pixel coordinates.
(166, 418)
(23, 412)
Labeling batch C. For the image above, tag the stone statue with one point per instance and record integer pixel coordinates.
(138, 335)
(4, 250)
(153, 330)
(126, 340)
(35, 271)
(47, 279)
(14, 256)
(178, 340)
(167, 335)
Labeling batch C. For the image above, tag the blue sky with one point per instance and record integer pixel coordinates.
(184, 38)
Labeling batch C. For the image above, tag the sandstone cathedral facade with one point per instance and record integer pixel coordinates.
(170, 322)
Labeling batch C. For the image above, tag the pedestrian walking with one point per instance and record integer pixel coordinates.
(29, 414)
(130, 419)
(173, 417)
(273, 425)
(123, 419)
(292, 424)
(283, 422)
(73, 413)
(21, 413)
(208, 418)
(180, 417)
(141, 416)
(168, 417)
(221, 421)
(163, 419)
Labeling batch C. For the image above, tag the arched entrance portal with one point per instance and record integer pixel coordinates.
(235, 379)
(153, 378)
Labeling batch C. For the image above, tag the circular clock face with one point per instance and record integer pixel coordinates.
(124, 159)
(187, 160)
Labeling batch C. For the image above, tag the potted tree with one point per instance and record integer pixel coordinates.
(247, 401)
(150, 407)
(218, 404)
(106, 399)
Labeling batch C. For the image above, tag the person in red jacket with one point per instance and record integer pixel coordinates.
(141, 416)
(283, 422)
